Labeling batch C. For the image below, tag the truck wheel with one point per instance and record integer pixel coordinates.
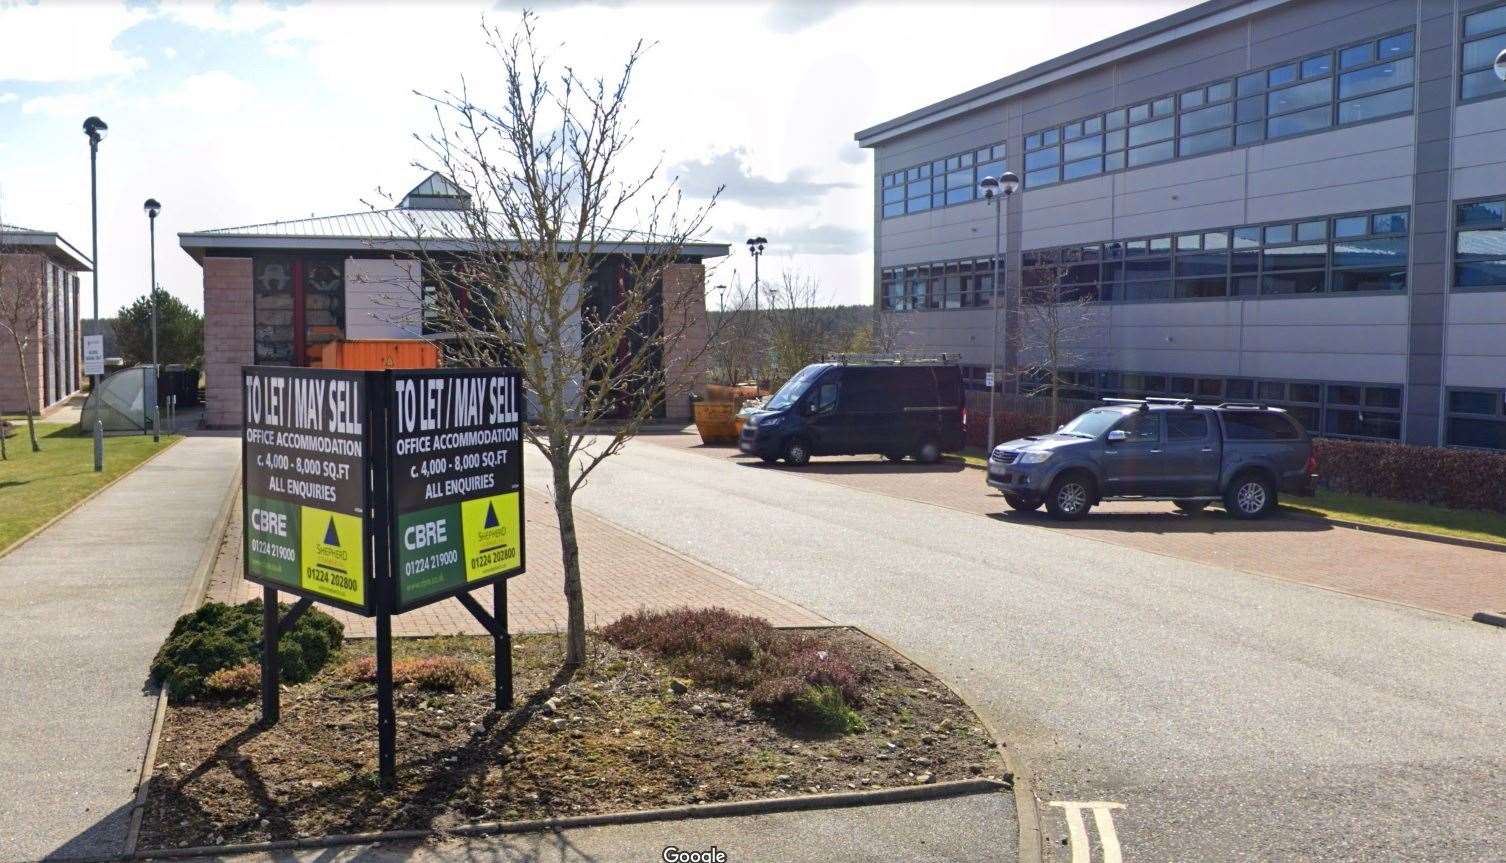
(1191, 507)
(1020, 504)
(1070, 497)
(1250, 496)
(928, 452)
(797, 452)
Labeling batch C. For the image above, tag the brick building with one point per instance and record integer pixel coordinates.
(46, 268)
(275, 293)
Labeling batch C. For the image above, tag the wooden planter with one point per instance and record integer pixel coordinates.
(716, 421)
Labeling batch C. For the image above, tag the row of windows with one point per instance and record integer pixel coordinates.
(942, 183)
(1480, 245)
(1351, 410)
(1348, 254)
(1476, 418)
(1484, 38)
(1373, 80)
(945, 285)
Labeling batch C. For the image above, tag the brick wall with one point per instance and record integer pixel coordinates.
(227, 337)
(22, 271)
(686, 357)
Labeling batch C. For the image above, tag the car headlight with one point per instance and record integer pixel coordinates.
(770, 422)
(1034, 456)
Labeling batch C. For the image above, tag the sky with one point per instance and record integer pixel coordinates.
(236, 113)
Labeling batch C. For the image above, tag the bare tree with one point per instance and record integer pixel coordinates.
(566, 262)
(739, 341)
(1056, 324)
(801, 330)
(20, 320)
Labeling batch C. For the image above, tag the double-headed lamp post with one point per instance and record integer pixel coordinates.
(755, 248)
(1500, 65)
(152, 208)
(96, 129)
(1007, 184)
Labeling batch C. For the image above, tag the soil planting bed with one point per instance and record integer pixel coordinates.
(620, 734)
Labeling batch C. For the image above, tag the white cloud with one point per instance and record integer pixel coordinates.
(8, 97)
(51, 42)
(211, 92)
(61, 105)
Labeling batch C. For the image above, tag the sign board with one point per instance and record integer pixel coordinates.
(455, 444)
(305, 458)
(988, 380)
(94, 355)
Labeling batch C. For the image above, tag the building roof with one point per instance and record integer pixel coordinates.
(1203, 16)
(57, 248)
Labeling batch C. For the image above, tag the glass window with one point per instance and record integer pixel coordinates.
(1313, 67)
(1396, 46)
(1304, 393)
(1033, 142)
(1042, 158)
(1484, 22)
(1114, 161)
(1474, 402)
(1246, 238)
(1162, 107)
(1481, 53)
(1351, 226)
(1359, 55)
(1293, 283)
(1142, 427)
(1298, 97)
(959, 180)
(992, 169)
(1160, 245)
(1307, 231)
(1207, 118)
(1281, 75)
(1251, 83)
(1151, 153)
(1049, 137)
(1220, 91)
(1482, 83)
(1043, 177)
(1383, 397)
(959, 196)
(1203, 264)
(1313, 256)
(1488, 434)
(1362, 423)
(1186, 425)
(1370, 253)
(1139, 113)
(1114, 119)
(1092, 125)
(1216, 240)
(1351, 281)
(1082, 168)
(1192, 99)
(1207, 142)
(1250, 108)
(918, 204)
(1249, 133)
(1153, 131)
(1258, 425)
(1389, 223)
(1072, 131)
(1480, 212)
(1273, 391)
(1114, 140)
(1278, 234)
(1189, 242)
(1377, 106)
(892, 195)
(1303, 121)
(891, 210)
(1091, 146)
(1379, 77)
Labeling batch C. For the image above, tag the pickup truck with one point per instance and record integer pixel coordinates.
(1244, 455)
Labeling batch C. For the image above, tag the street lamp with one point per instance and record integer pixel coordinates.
(1008, 184)
(755, 248)
(152, 208)
(1500, 65)
(96, 129)
(721, 297)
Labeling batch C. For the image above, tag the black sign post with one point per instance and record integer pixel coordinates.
(378, 493)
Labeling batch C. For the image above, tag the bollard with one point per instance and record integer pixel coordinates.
(172, 414)
(99, 445)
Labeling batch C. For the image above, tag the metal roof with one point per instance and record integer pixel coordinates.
(392, 230)
(1203, 16)
(49, 241)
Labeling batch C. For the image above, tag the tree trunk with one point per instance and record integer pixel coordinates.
(575, 604)
(31, 425)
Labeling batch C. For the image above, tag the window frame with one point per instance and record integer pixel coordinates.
(1464, 71)
(1498, 415)
(938, 173)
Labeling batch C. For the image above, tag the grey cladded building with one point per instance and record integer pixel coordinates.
(1297, 202)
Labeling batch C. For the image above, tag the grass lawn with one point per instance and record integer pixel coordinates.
(35, 486)
(1460, 523)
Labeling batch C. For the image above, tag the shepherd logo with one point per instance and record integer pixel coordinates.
(673, 854)
(490, 529)
(332, 562)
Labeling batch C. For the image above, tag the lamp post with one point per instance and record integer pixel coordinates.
(152, 208)
(1500, 65)
(1008, 183)
(755, 248)
(96, 129)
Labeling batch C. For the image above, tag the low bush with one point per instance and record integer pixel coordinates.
(242, 681)
(430, 673)
(819, 665)
(711, 646)
(1440, 476)
(218, 637)
(793, 700)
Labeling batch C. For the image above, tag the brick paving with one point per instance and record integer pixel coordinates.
(1420, 573)
(621, 573)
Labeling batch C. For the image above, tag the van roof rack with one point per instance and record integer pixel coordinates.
(1244, 406)
(894, 359)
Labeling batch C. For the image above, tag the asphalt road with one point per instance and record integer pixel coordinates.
(1234, 716)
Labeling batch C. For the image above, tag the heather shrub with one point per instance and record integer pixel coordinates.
(710, 646)
(242, 681)
(819, 665)
(430, 673)
(817, 707)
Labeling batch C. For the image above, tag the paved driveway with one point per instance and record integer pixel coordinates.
(1235, 717)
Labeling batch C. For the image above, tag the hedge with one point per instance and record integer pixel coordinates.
(1439, 476)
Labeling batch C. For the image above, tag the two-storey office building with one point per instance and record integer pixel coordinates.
(1300, 201)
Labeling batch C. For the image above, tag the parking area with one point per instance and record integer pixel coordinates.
(1420, 573)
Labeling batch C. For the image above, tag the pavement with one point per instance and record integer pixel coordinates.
(1231, 715)
(84, 606)
(621, 572)
(1422, 573)
(959, 830)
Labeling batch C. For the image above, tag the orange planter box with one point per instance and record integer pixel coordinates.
(379, 354)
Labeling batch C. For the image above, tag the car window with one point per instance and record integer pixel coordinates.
(1186, 425)
(1091, 424)
(1258, 425)
(825, 398)
(1141, 426)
